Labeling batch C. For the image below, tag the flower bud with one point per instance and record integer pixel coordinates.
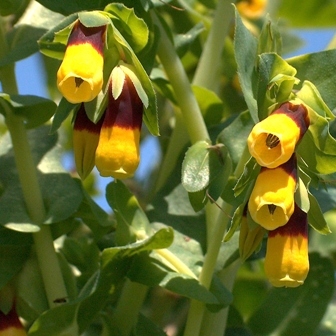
(286, 262)
(85, 142)
(118, 153)
(80, 76)
(272, 141)
(249, 238)
(272, 199)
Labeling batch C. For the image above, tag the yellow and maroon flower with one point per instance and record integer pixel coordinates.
(286, 262)
(272, 199)
(10, 324)
(80, 76)
(85, 142)
(118, 153)
(251, 9)
(272, 141)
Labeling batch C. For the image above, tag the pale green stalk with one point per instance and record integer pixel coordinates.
(46, 255)
(126, 313)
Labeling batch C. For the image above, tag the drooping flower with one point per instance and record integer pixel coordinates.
(85, 142)
(118, 153)
(251, 9)
(286, 262)
(272, 199)
(10, 324)
(272, 141)
(80, 76)
(249, 238)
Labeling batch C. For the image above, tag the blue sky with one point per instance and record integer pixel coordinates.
(31, 81)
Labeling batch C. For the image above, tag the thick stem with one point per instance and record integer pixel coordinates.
(207, 72)
(46, 255)
(131, 299)
(172, 64)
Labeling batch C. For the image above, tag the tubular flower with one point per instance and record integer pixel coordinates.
(249, 238)
(272, 141)
(272, 199)
(286, 262)
(80, 76)
(117, 154)
(85, 142)
(10, 324)
(252, 9)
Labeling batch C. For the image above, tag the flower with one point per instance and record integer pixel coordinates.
(117, 153)
(10, 324)
(85, 142)
(80, 76)
(286, 262)
(249, 237)
(272, 199)
(251, 9)
(272, 141)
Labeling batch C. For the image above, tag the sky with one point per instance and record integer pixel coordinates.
(31, 81)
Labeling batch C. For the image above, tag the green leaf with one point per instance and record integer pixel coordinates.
(210, 104)
(134, 29)
(318, 69)
(8, 7)
(234, 136)
(311, 13)
(63, 110)
(93, 19)
(201, 165)
(296, 311)
(246, 47)
(315, 216)
(198, 199)
(132, 221)
(269, 38)
(23, 43)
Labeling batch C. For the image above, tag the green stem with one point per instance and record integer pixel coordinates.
(178, 140)
(208, 69)
(186, 100)
(131, 299)
(46, 255)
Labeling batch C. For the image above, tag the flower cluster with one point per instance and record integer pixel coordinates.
(272, 142)
(111, 143)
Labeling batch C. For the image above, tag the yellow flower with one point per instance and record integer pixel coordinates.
(286, 262)
(80, 76)
(251, 9)
(272, 141)
(249, 238)
(85, 142)
(10, 324)
(272, 199)
(118, 153)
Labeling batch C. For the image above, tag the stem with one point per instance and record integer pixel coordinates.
(186, 100)
(207, 72)
(46, 255)
(178, 140)
(175, 262)
(131, 299)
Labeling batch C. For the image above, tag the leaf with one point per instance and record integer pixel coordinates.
(235, 134)
(132, 221)
(134, 29)
(318, 69)
(93, 19)
(202, 164)
(311, 13)
(23, 43)
(246, 47)
(297, 311)
(63, 110)
(8, 7)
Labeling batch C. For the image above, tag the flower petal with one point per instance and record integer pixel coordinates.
(272, 199)
(80, 76)
(286, 262)
(272, 141)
